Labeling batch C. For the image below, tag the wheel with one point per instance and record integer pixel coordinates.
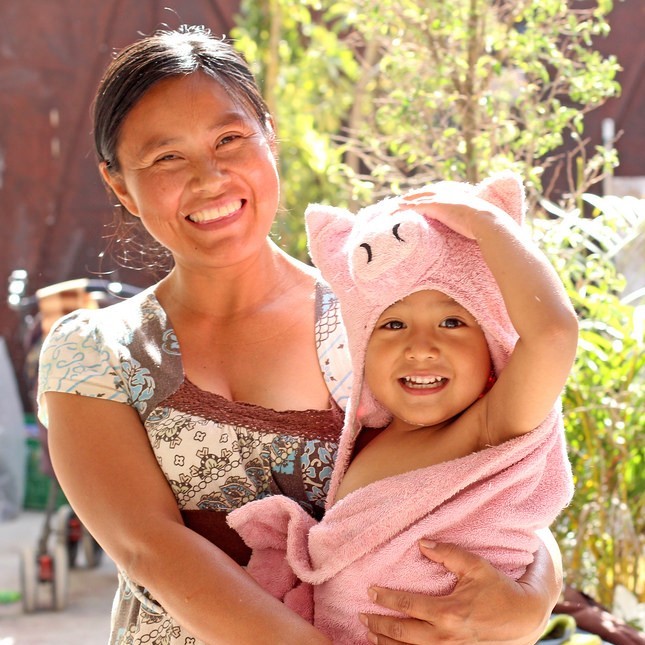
(68, 532)
(29, 578)
(60, 582)
(91, 549)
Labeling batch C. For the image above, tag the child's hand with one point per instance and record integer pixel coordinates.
(461, 212)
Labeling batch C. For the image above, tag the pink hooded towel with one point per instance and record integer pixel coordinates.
(490, 502)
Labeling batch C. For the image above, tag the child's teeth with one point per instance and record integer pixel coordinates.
(423, 381)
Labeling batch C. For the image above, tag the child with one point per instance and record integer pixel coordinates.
(461, 337)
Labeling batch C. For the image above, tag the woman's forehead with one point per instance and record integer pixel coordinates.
(174, 106)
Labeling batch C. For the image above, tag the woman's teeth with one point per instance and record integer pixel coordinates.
(210, 214)
(422, 382)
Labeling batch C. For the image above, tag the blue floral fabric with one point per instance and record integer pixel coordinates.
(216, 454)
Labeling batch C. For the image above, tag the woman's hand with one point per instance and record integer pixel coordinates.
(485, 607)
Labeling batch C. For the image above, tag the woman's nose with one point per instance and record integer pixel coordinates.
(208, 174)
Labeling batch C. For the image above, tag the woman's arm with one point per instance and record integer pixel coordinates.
(109, 473)
(486, 606)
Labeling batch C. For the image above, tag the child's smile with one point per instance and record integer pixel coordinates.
(427, 359)
(423, 383)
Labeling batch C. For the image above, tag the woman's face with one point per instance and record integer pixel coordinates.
(199, 171)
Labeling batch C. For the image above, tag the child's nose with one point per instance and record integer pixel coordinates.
(422, 346)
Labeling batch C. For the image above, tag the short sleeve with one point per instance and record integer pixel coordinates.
(331, 344)
(75, 359)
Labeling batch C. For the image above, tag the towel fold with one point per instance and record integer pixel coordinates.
(490, 502)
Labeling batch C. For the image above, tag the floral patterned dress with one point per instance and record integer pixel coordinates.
(216, 454)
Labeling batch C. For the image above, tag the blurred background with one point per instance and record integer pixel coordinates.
(342, 101)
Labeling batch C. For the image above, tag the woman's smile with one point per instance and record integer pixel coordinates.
(215, 213)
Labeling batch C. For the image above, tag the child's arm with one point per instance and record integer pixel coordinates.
(537, 305)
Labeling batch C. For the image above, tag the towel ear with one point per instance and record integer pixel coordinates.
(506, 190)
(327, 230)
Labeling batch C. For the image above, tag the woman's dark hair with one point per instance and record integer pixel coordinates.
(162, 55)
(134, 70)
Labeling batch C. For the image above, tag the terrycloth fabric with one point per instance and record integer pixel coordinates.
(490, 502)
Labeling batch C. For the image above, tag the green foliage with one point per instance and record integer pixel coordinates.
(602, 533)
(467, 87)
(378, 96)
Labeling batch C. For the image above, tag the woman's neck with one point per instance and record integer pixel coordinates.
(247, 333)
(231, 292)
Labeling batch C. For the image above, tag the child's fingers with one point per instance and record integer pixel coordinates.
(420, 195)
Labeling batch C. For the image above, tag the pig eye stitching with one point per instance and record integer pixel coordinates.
(368, 248)
(395, 232)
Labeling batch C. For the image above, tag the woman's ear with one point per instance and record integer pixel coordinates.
(270, 133)
(269, 124)
(117, 185)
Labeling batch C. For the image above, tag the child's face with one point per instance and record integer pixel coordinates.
(427, 359)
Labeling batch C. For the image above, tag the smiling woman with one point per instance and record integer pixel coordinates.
(198, 169)
(221, 384)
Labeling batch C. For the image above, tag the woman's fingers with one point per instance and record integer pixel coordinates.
(456, 559)
(480, 608)
(390, 630)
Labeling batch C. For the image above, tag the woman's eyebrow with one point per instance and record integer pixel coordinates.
(223, 120)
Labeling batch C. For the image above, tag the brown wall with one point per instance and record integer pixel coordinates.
(627, 42)
(53, 207)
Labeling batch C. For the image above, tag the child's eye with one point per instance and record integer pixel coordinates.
(451, 323)
(394, 324)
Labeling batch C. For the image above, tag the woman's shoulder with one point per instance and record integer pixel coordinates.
(117, 323)
(329, 331)
(136, 329)
(135, 311)
(331, 344)
(111, 352)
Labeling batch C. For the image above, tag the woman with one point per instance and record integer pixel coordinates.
(212, 387)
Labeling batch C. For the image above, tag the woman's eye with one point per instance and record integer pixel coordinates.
(229, 138)
(168, 157)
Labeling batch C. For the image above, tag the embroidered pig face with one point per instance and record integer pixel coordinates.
(389, 253)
